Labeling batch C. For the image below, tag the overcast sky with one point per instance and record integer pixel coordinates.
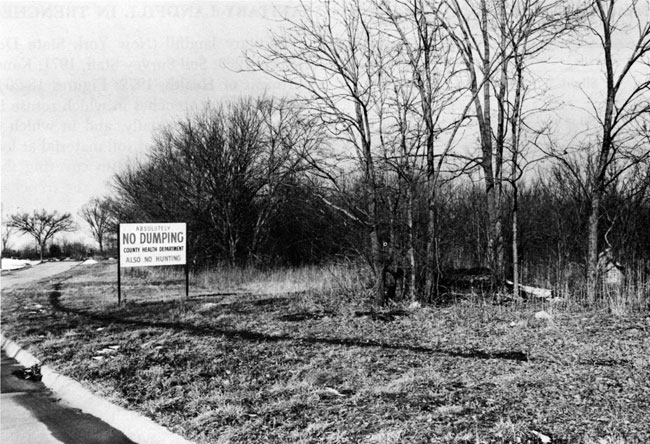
(85, 85)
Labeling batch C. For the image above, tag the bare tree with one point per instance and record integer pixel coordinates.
(42, 225)
(100, 217)
(626, 104)
(7, 231)
(400, 134)
(496, 41)
(225, 170)
(528, 27)
(333, 54)
(288, 140)
(423, 73)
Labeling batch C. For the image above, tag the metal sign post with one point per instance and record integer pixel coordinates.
(119, 268)
(187, 281)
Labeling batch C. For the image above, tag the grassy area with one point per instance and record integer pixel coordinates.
(299, 356)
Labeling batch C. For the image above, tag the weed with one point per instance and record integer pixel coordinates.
(312, 362)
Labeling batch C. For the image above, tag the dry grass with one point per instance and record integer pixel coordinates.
(285, 280)
(299, 356)
(569, 287)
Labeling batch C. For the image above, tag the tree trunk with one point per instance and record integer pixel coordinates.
(592, 251)
(515, 240)
(500, 144)
(373, 234)
(370, 180)
(598, 186)
(495, 244)
(410, 276)
(232, 250)
(499, 243)
(375, 251)
(489, 163)
(431, 285)
(515, 128)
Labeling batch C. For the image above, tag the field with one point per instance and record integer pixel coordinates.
(301, 356)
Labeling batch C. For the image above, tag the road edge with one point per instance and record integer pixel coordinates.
(135, 426)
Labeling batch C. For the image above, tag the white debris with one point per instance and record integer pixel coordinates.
(537, 292)
(329, 392)
(543, 438)
(541, 319)
(89, 262)
(543, 315)
(613, 276)
(544, 293)
(333, 391)
(610, 270)
(106, 351)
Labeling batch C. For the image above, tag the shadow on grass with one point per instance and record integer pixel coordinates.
(54, 296)
(217, 295)
(237, 307)
(253, 336)
(303, 316)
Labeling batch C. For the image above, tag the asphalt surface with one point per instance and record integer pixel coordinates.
(29, 412)
(30, 274)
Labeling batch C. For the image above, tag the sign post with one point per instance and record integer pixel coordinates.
(150, 245)
(119, 268)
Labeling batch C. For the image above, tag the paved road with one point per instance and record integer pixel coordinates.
(29, 412)
(31, 274)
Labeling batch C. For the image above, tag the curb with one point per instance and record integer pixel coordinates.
(135, 426)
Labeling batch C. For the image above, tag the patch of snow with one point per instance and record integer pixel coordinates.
(89, 262)
(17, 264)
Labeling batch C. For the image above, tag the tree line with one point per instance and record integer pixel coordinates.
(420, 138)
(405, 83)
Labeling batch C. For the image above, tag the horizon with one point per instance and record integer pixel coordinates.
(86, 86)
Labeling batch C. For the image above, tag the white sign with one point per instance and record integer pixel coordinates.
(149, 245)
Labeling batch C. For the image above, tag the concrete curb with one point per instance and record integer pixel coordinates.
(135, 426)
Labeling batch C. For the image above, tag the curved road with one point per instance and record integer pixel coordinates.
(30, 274)
(29, 412)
